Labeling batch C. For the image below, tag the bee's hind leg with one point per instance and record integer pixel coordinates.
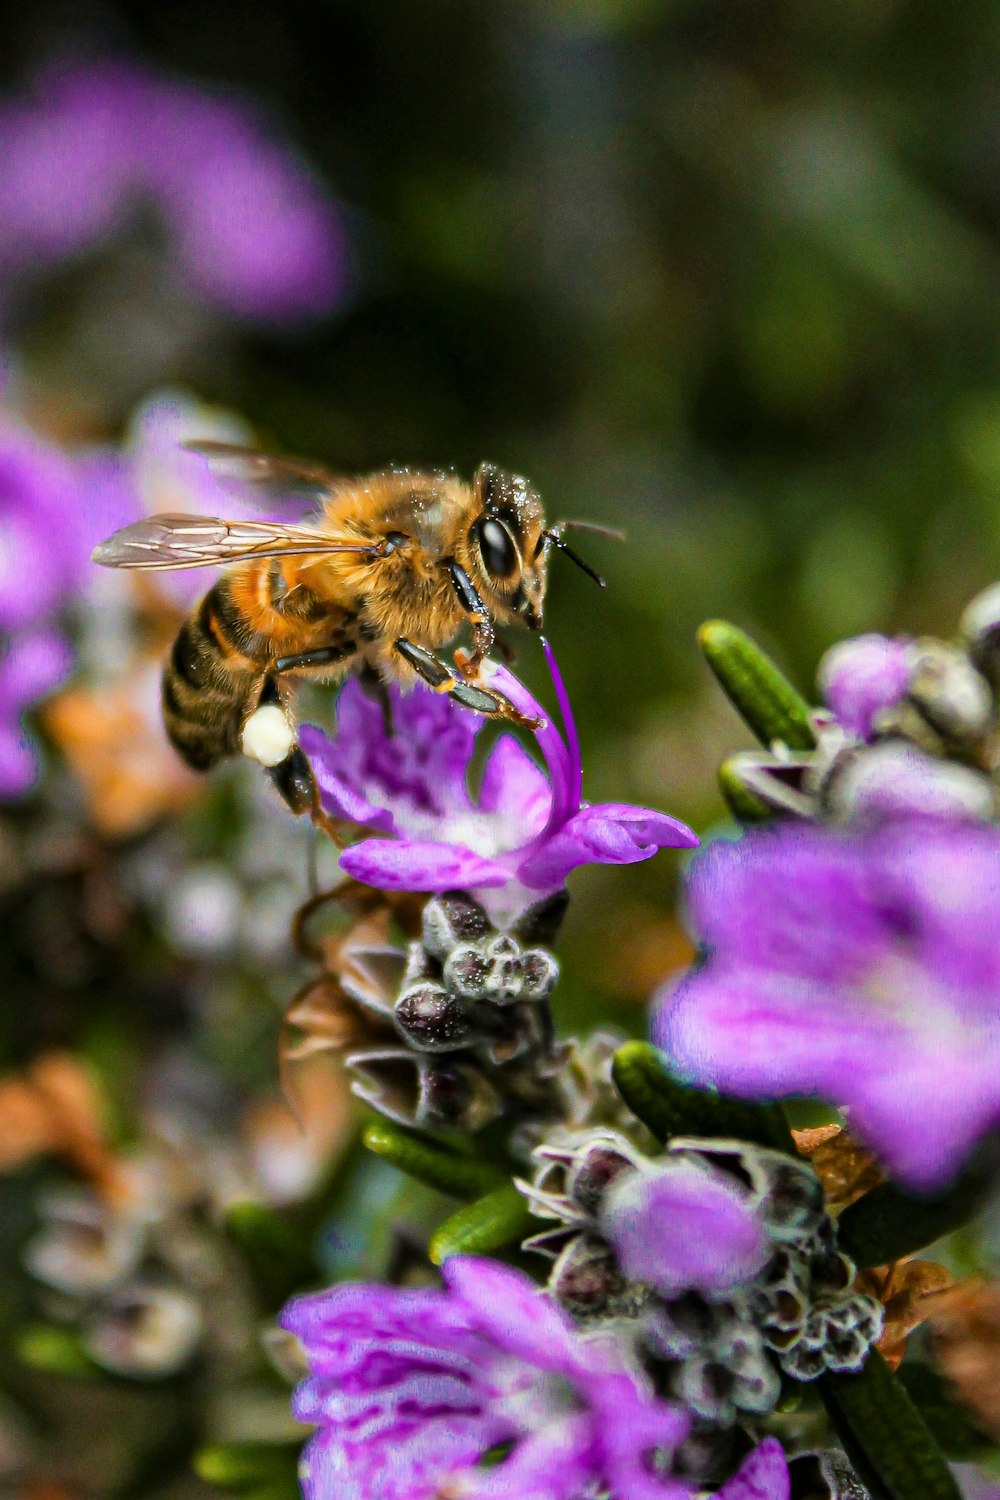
(443, 680)
(269, 737)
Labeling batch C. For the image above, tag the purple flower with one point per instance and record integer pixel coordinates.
(48, 503)
(31, 665)
(154, 472)
(763, 1475)
(252, 229)
(520, 837)
(860, 677)
(682, 1227)
(859, 966)
(409, 1390)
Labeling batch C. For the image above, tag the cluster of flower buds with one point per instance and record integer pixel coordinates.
(911, 724)
(718, 1339)
(458, 1027)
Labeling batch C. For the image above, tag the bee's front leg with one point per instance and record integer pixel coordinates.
(443, 680)
(483, 634)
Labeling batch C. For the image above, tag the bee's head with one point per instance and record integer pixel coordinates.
(507, 545)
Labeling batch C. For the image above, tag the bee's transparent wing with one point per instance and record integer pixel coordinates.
(186, 541)
(265, 476)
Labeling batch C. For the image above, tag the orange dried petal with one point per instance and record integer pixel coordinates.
(965, 1320)
(846, 1169)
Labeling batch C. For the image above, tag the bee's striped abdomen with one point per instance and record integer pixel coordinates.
(212, 679)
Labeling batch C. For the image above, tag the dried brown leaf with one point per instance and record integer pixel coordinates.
(965, 1321)
(906, 1289)
(56, 1109)
(322, 1016)
(846, 1169)
(130, 776)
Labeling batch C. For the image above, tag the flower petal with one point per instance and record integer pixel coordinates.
(920, 1082)
(515, 787)
(509, 1307)
(401, 1387)
(630, 1424)
(563, 770)
(412, 773)
(681, 1229)
(31, 665)
(553, 1463)
(409, 1458)
(764, 1036)
(764, 897)
(337, 793)
(763, 1475)
(414, 865)
(609, 834)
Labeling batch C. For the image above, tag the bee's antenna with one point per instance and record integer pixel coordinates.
(555, 540)
(595, 526)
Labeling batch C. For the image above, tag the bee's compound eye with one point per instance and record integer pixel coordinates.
(496, 546)
(268, 736)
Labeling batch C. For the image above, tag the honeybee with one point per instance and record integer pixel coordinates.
(384, 577)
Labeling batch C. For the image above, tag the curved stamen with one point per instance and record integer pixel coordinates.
(574, 757)
(550, 742)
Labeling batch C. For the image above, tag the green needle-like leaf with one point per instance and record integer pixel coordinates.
(888, 1222)
(887, 1439)
(742, 803)
(499, 1219)
(669, 1107)
(431, 1163)
(765, 698)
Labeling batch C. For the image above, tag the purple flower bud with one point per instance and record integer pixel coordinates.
(432, 1019)
(680, 1227)
(860, 677)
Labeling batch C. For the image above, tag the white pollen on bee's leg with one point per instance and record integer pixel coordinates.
(268, 736)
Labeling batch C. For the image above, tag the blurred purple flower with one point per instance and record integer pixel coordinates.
(31, 665)
(680, 1227)
(523, 834)
(48, 503)
(861, 967)
(861, 676)
(252, 229)
(154, 472)
(409, 1391)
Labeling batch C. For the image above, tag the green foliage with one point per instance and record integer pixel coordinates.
(493, 1222)
(950, 1423)
(742, 803)
(886, 1438)
(669, 1107)
(431, 1162)
(889, 1222)
(258, 1471)
(278, 1258)
(768, 702)
(57, 1351)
